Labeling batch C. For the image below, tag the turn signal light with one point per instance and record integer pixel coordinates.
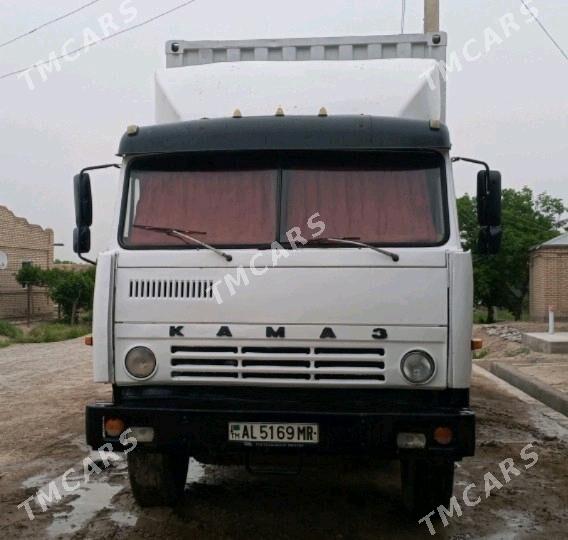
(443, 435)
(476, 344)
(114, 427)
(89, 341)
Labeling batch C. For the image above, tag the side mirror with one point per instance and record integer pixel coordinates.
(83, 200)
(489, 211)
(489, 241)
(84, 210)
(489, 198)
(81, 240)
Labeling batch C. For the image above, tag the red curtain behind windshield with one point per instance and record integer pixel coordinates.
(375, 206)
(232, 207)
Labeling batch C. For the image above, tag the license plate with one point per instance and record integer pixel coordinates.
(257, 432)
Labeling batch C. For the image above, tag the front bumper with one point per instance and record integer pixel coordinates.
(202, 426)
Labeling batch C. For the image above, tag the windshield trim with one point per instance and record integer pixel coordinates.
(280, 161)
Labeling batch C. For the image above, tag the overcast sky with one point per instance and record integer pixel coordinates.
(510, 107)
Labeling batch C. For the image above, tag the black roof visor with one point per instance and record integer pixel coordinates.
(355, 132)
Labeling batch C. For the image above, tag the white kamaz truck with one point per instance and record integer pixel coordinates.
(285, 280)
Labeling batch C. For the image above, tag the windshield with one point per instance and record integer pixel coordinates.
(375, 206)
(220, 207)
(380, 201)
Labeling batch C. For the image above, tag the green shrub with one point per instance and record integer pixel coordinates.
(517, 352)
(50, 332)
(71, 289)
(9, 330)
(479, 317)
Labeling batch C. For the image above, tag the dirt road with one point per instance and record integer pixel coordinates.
(43, 389)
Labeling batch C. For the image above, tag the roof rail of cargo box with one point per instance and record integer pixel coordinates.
(181, 53)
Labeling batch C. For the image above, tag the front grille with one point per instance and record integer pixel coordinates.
(310, 365)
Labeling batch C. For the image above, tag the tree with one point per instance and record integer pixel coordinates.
(72, 290)
(30, 274)
(502, 280)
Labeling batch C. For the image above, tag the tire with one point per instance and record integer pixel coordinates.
(157, 478)
(426, 484)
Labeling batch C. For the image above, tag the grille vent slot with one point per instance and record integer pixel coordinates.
(171, 288)
(277, 350)
(348, 351)
(212, 374)
(204, 349)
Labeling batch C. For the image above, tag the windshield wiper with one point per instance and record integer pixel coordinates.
(354, 241)
(187, 237)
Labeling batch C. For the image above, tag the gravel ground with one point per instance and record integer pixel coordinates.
(502, 343)
(555, 375)
(42, 395)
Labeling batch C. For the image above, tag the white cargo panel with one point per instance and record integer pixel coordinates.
(378, 75)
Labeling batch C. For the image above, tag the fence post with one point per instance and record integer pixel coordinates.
(551, 319)
(29, 303)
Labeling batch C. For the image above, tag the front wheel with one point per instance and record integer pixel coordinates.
(426, 484)
(157, 478)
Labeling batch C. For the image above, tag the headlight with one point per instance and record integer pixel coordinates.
(417, 367)
(140, 362)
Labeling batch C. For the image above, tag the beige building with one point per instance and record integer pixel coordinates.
(22, 243)
(549, 278)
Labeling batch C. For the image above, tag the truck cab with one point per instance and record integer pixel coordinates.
(286, 279)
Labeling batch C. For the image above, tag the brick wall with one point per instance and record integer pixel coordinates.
(22, 241)
(549, 282)
(75, 267)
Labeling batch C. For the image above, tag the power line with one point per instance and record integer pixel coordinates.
(106, 38)
(403, 16)
(47, 23)
(544, 29)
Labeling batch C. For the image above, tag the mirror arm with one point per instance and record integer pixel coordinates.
(478, 162)
(94, 263)
(96, 167)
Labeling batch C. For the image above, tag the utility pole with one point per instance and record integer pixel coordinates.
(431, 16)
